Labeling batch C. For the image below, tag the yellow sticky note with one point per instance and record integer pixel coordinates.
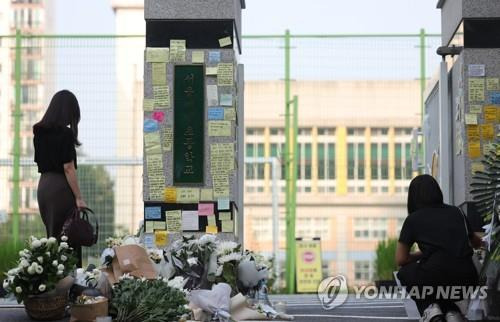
(219, 128)
(211, 71)
(148, 104)
(161, 238)
(230, 114)
(149, 226)
(473, 132)
(227, 226)
(171, 194)
(476, 166)
(152, 143)
(487, 131)
(221, 157)
(490, 114)
(173, 219)
(211, 221)
(198, 57)
(225, 74)
(474, 149)
(492, 84)
(224, 215)
(159, 225)
(226, 41)
(159, 73)
(470, 118)
(206, 195)
(221, 185)
(157, 55)
(161, 94)
(476, 89)
(475, 108)
(188, 195)
(211, 229)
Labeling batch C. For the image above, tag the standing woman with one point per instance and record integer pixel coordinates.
(55, 138)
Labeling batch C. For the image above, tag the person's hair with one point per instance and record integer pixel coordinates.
(63, 110)
(424, 192)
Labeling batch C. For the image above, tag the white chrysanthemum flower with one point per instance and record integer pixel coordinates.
(19, 289)
(5, 284)
(218, 271)
(177, 282)
(44, 240)
(55, 263)
(225, 247)
(63, 245)
(39, 269)
(63, 258)
(64, 238)
(42, 288)
(31, 270)
(192, 261)
(60, 272)
(40, 259)
(230, 257)
(60, 267)
(24, 263)
(96, 271)
(207, 239)
(52, 240)
(36, 244)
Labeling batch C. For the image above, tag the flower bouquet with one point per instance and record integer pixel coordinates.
(35, 280)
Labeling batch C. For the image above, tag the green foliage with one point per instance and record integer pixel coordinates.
(136, 300)
(385, 262)
(9, 253)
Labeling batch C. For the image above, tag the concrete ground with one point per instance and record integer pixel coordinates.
(303, 307)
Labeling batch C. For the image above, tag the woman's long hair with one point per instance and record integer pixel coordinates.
(63, 110)
(424, 192)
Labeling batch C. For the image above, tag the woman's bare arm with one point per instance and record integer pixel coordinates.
(70, 173)
(403, 255)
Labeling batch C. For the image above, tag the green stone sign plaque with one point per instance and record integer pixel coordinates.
(189, 112)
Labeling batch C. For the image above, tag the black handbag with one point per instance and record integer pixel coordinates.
(78, 228)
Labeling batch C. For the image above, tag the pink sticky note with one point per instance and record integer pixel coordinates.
(159, 116)
(205, 209)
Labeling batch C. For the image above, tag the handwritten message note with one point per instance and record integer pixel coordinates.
(174, 220)
(190, 220)
(490, 114)
(221, 185)
(167, 134)
(170, 194)
(475, 108)
(149, 226)
(152, 212)
(212, 95)
(159, 73)
(188, 195)
(161, 238)
(177, 50)
(223, 204)
(222, 157)
(157, 55)
(470, 118)
(211, 229)
(206, 194)
(476, 89)
(226, 215)
(225, 74)
(156, 180)
(205, 209)
(148, 104)
(226, 99)
(214, 57)
(161, 96)
(472, 132)
(211, 71)
(487, 131)
(226, 41)
(219, 128)
(227, 226)
(152, 143)
(216, 113)
(474, 149)
(198, 57)
(159, 225)
(230, 114)
(492, 84)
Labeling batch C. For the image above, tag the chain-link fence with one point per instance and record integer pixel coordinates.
(105, 73)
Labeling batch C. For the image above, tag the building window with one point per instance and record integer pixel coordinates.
(370, 228)
(398, 169)
(355, 161)
(331, 161)
(307, 161)
(408, 167)
(326, 131)
(363, 270)
(384, 166)
(277, 150)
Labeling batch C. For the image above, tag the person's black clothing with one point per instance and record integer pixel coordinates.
(53, 148)
(443, 238)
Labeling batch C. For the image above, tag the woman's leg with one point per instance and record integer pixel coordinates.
(408, 275)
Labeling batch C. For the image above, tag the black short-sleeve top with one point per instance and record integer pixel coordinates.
(53, 148)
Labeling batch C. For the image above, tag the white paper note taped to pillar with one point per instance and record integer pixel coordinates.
(212, 95)
(177, 50)
(157, 55)
(219, 128)
(190, 220)
(188, 195)
(167, 134)
(161, 96)
(174, 220)
(221, 157)
(152, 143)
(225, 74)
(159, 73)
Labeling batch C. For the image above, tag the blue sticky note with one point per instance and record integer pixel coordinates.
(495, 98)
(215, 113)
(223, 204)
(150, 126)
(213, 57)
(152, 213)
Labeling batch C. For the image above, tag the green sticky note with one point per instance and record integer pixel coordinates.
(227, 226)
(198, 57)
(159, 225)
(149, 226)
(148, 104)
(211, 221)
(157, 55)
(226, 215)
(159, 73)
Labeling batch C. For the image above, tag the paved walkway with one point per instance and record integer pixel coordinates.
(305, 308)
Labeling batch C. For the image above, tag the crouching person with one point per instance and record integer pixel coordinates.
(444, 261)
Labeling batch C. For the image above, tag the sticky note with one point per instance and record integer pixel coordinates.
(472, 132)
(475, 108)
(212, 95)
(149, 240)
(149, 226)
(156, 180)
(206, 195)
(490, 114)
(476, 70)
(221, 158)
(474, 149)
(211, 221)
(226, 41)
(188, 195)
(226, 99)
(471, 118)
(167, 134)
(225, 74)
(161, 96)
(476, 166)
(198, 57)
(211, 71)
(159, 225)
(150, 125)
(219, 128)
(211, 229)
(216, 113)
(157, 55)
(173, 219)
(159, 73)
(225, 215)
(476, 89)
(205, 209)
(190, 220)
(227, 226)
(214, 57)
(177, 50)
(220, 185)
(152, 143)
(487, 131)
(223, 204)
(495, 98)
(161, 238)
(148, 104)
(230, 114)
(152, 213)
(492, 84)
(488, 148)
(170, 194)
